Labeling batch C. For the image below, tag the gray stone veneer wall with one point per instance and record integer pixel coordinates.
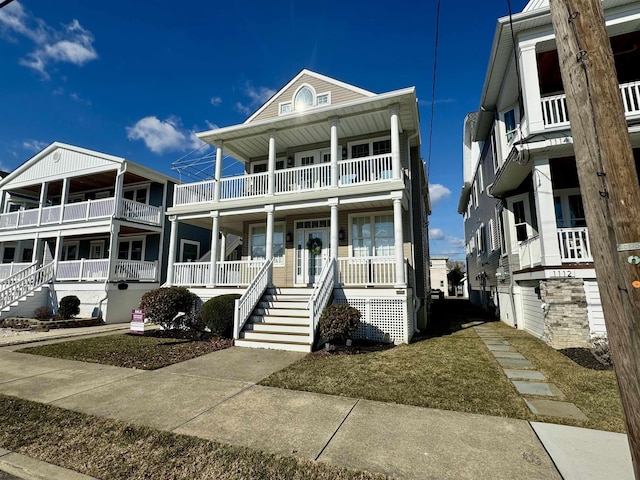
(566, 319)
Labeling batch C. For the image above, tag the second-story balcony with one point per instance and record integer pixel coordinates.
(555, 113)
(573, 243)
(81, 211)
(355, 171)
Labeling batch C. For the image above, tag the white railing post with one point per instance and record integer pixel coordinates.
(81, 269)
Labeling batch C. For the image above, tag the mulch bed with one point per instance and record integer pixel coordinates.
(358, 347)
(584, 358)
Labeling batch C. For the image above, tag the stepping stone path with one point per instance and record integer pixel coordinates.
(527, 381)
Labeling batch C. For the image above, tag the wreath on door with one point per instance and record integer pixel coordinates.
(314, 245)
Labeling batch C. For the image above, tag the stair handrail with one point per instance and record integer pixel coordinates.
(320, 296)
(250, 298)
(19, 275)
(26, 285)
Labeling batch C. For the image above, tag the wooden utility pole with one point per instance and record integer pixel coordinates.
(609, 186)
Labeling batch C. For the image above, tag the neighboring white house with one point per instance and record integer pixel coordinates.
(79, 222)
(527, 240)
(332, 206)
(438, 273)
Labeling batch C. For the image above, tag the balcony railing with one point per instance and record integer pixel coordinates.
(98, 270)
(239, 273)
(574, 245)
(353, 171)
(81, 211)
(529, 252)
(9, 269)
(363, 271)
(554, 108)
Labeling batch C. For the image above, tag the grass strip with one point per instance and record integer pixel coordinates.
(147, 352)
(110, 449)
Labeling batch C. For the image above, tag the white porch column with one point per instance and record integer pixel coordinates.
(118, 192)
(57, 254)
(271, 168)
(43, 199)
(36, 247)
(113, 249)
(269, 240)
(218, 174)
(334, 122)
(173, 240)
(333, 202)
(213, 257)
(398, 238)
(223, 247)
(394, 111)
(64, 198)
(546, 213)
(531, 87)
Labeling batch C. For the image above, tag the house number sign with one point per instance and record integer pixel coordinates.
(561, 273)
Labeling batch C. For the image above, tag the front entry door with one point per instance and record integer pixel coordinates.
(309, 263)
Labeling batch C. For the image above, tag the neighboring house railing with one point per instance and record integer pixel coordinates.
(555, 113)
(374, 169)
(574, 245)
(98, 269)
(252, 295)
(192, 273)
(24, 283)
(320, 296)
(237, 273)
(80, 211)
(9, 269)
(529, 252)
(367, 271)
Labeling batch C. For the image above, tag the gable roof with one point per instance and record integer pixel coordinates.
(307, 77)
(535, 4)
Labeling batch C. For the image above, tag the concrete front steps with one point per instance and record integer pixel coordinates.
(280, 321)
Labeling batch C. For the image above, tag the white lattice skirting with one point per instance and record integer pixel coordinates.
(381, 316)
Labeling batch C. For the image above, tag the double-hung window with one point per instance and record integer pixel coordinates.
(372, 236)
(258, 246)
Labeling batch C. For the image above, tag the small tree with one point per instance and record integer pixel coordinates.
(217, 314)
(338, 322)
(69, 307)
(163, 306)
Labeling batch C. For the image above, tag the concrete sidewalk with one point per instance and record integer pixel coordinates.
(216, 397)
(61, 333)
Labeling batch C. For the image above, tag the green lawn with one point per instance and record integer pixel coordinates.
(455, 371)
(147, 352)
(109, 449)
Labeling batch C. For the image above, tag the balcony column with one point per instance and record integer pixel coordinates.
(218, 173)
(546, 213)
(36, 248)
(64, 197)
(531, 87)
(223, 246)
(398, 239)
(173, 240)
(213, 256)
(333, 203)
(271, 168)
(57, 255)
(113, 250)
(269, 240)
(334, 122)
(394, 111)
(118, 193)
(43, 199)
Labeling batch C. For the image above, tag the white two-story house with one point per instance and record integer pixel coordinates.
(528, 251)
(332, 207)
(84, 223)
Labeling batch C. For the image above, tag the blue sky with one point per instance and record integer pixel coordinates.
(136, 79)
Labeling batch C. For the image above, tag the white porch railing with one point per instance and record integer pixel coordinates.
(91, 209)
(554, 107)
(192, 274)
(98, 269)
(529, 252)
(23, 283)
(367, 271)
(377, 168)
(245, 304)
(320, 296)
(237, 273)
(140, 212)
(574, 245)
(9, 269)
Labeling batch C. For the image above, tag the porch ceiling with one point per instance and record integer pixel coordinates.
(246, 141)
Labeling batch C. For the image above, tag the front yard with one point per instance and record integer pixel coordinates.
(454, 370)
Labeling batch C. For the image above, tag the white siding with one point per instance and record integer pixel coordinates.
(594, 308)
(532, 314)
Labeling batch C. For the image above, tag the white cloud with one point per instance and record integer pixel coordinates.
(215, 101)
(33, 145)
(257, 96)
(161, 136)
(436, 234)
(456, 242)
(71, 44)
(438, 192)
(211, 125)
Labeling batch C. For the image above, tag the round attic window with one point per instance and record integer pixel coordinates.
(304, 98)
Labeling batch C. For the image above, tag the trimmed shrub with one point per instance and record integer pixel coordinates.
(42, 313)
(217, 314)
(162, 306)
(338, 322)
(69, 307)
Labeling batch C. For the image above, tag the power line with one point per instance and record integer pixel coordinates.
(5, 3)
(433, 88)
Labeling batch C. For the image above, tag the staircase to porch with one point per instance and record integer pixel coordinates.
(280, 321)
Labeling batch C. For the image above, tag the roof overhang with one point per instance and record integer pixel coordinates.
(251, 140)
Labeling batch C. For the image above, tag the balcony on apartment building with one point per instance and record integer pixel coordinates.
(573, 244)
(352, 172)
(80, 212)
